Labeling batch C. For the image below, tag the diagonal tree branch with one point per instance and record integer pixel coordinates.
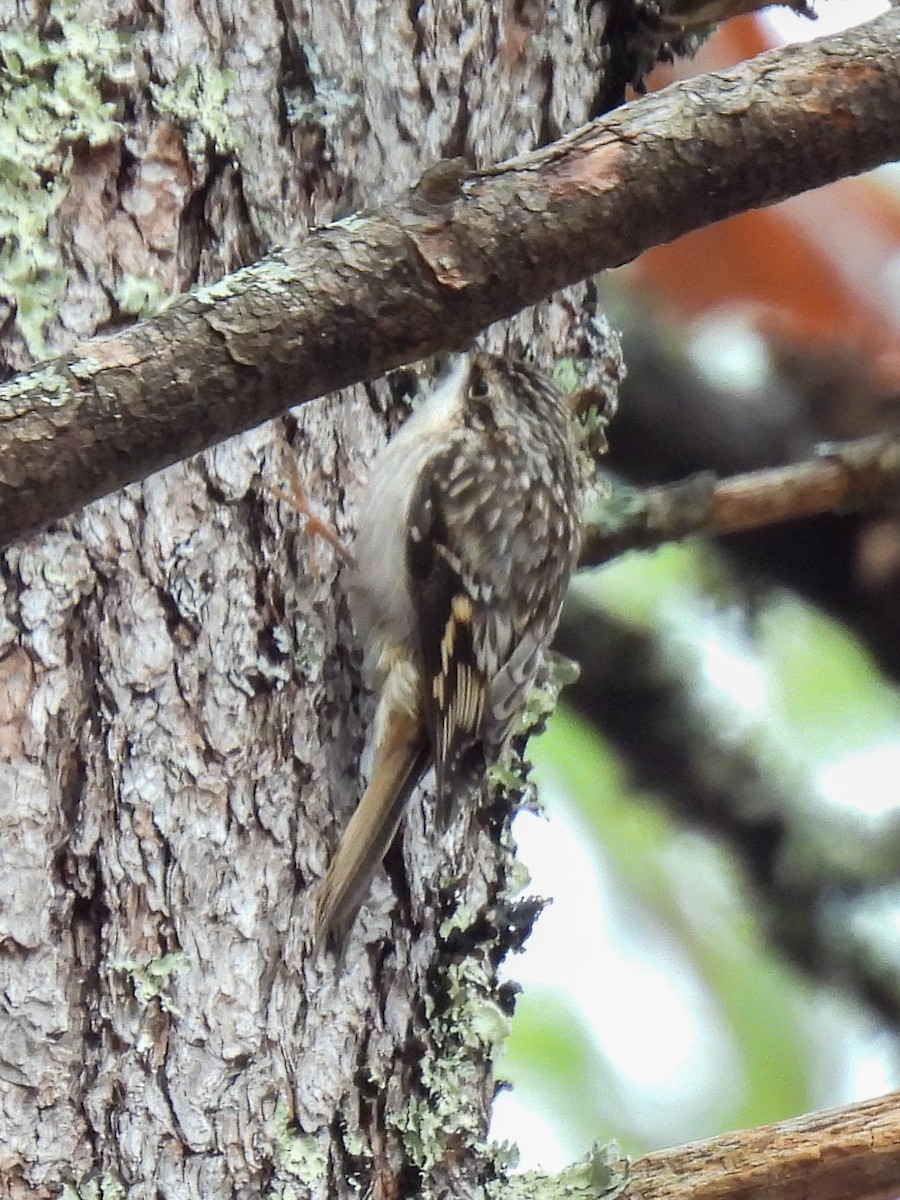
(461, 250)
(843, 476)
(852, 1151)
(841, 1153)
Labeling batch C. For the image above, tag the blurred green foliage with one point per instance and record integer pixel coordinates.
(822, 698)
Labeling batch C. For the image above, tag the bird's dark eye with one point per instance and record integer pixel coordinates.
(479, 388)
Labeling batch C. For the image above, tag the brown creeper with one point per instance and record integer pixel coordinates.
(468, 535)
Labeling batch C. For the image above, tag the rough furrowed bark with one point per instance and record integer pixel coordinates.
(182, 713)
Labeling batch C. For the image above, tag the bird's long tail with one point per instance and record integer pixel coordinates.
(401, 759)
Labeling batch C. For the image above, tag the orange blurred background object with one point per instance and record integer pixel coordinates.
(820, 269)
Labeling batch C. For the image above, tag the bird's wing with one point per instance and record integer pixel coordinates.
(447, 606)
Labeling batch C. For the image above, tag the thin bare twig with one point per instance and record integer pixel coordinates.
(843, 476)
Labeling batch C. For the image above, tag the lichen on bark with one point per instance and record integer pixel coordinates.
(54, 88)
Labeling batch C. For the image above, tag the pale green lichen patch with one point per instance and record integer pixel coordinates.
(139, 296)
(150, 981)
(447, 1110)
(197, 101)
(568, 374)
(601, 1175)
(490, 1024)
(296, 1154)
(272, 275)
(353, 223)
(48, 383)
(543, 698)
(579, 378)
(82, 368)
(106, 1187)
(52, 88)
(355, 1144)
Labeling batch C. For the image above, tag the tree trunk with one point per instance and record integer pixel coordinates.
(182, 713)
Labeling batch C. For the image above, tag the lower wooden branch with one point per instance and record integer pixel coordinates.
(843, 476)
(850, 1153)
